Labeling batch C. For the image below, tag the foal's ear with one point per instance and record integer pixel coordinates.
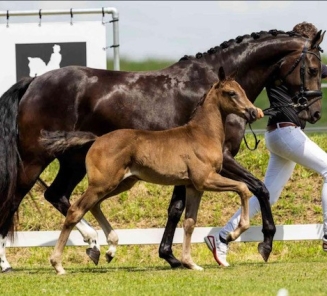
(221, 74)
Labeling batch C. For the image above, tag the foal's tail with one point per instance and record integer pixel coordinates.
(59, 141)
(9, 154)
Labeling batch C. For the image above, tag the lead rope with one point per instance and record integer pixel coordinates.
(267, 111)
(255, 139)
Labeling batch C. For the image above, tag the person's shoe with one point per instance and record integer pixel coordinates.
(218, 248)
(324, 243)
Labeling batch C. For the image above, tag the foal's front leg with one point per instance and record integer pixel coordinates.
(216, 182)
(193, 199)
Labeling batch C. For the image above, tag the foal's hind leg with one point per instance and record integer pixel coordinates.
(75, 213)
(70, 173)
(175, 210)
(193, 199)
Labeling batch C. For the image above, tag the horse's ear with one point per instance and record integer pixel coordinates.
(221, 74)
(318, 39)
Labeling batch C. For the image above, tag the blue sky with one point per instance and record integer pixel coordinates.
(171, 29)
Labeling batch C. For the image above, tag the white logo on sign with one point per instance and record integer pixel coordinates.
(38, 66)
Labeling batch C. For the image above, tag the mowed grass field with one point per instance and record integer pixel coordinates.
(299, 266)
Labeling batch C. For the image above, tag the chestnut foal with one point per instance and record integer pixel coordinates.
(189, 155)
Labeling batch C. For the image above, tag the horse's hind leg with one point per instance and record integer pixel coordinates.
(193, 199)
(175, 210)
(69, 175)
(25, 180)
(111, 235)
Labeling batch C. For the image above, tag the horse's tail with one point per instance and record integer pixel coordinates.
(9, 154)
(59, 141)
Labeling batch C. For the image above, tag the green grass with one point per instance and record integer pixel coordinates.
(300, 267)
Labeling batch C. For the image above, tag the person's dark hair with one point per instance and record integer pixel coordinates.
(306, 29)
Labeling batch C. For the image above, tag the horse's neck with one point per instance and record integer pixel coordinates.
(248, 58)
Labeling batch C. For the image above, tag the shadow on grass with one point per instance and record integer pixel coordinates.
(73, 270)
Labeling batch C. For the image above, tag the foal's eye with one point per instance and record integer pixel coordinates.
(232, 93)
(313, 71)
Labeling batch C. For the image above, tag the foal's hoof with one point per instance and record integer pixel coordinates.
(193, 266)
(265, 250)
(109, 257)
(94, 254)
(7, 270)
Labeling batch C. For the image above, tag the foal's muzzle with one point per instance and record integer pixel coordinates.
(251, 115)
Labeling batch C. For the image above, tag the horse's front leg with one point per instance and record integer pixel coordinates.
(193, 199)
(175, 210)
(235, 171)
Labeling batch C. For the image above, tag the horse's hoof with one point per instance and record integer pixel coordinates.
(264, 250)
(7, 270)
(94, 254)
(109, 258)
(171, 259)
(174, 263)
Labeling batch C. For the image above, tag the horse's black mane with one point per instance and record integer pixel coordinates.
(239, 39)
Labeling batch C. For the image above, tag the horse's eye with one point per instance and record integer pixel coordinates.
(313, 71)
(231, 93)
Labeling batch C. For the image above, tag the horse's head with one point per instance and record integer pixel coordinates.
(233, 99)
(300, 71)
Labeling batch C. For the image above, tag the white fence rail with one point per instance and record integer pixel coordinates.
(154, 235)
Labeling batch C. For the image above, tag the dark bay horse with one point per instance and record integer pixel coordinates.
(100, 101)
(117, 160)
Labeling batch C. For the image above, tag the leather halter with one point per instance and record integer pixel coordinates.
(301, 97)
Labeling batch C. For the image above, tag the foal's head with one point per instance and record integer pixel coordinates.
(232, 98)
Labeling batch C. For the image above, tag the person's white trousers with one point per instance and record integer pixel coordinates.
(288, 146)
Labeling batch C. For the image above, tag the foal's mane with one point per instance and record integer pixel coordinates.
(240, 39)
